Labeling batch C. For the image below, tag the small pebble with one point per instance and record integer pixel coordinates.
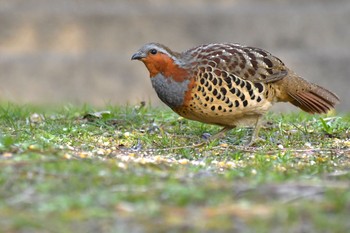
(183, 161)
(206, 136)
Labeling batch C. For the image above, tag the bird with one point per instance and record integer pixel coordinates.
(228, 84)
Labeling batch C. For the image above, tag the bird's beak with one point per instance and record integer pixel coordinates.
(138, 56)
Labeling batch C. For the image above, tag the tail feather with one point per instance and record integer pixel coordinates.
(301, 103)
(308, 96)
(311, 103)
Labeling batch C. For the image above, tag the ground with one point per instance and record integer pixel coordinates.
(135, 169)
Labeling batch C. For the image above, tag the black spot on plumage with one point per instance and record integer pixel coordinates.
(212, 108)
(248, 85)
(207, 98)
(251, 55)
(268, 62)
(204, 62)
(246, 50)
(259, 86)
(242, 97)
(215, 81)
(236, 103)
(242, 84)
(243, 60)
(232, 51)
(279, 60)
(210, 77)
(199, 88)
(262, 52)
(227, 100)
(205, 75)
(251, 92)
(218, 96)
(216, 60)
(251, 72)
(223, 90)
(230, 105)
(202, 81)
(233, 91)
(217, 72)
(234, 78)
(212, 64)
(210, 88)
(228, 80)
(220, 108)
(231, 67)
(270, 71)
(215, 92)
(245, 103)
(238, 93)
(238, 81)
(254, 64)
(258, 99)
(219, 82)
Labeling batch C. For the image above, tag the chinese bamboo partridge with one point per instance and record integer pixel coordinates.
(228, 84)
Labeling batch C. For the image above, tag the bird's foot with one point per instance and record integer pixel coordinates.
(254, 141)
(207, 138)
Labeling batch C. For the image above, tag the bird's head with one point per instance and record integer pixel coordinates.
(159, 59)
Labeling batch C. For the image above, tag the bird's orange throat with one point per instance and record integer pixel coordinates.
(161, 63)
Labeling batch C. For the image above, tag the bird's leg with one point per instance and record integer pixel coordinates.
(221, 133)
(255, 134)
(215, 136)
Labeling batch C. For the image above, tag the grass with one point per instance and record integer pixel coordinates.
(135, 169)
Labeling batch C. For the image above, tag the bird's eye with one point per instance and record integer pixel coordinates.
(153, 51)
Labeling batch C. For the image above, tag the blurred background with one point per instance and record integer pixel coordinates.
(78, 51)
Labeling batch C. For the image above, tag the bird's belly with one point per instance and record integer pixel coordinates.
(221, 113)
(235, 118)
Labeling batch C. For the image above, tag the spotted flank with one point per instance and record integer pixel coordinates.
(221, 97)
(228, 90)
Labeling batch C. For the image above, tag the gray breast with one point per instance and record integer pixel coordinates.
(172, 93)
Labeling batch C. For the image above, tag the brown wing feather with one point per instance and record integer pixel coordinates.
(248, 63)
